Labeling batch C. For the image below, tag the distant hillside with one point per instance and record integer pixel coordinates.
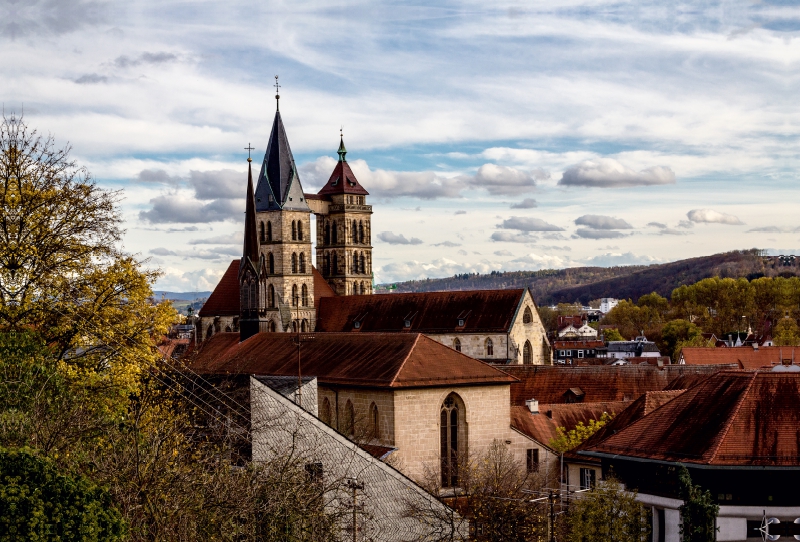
(586, 283)
(180, 296)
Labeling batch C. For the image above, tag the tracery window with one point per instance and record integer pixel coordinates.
(489, 348)
(457, 344)
(527, 354)
(527, 316)
(373, 416)
(449, 426)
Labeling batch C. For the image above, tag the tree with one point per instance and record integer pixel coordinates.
(612, 335)
(608, 513)
(567, 440)
(678, 333)
(698, 511)
(786, 332)
(38, 502)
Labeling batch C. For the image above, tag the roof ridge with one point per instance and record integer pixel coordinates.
(405, 360)
(729, 421)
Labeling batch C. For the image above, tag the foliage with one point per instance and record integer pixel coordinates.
(648, 315)
(679, 333)
(612, 335)
(567, 440)
(39, 503)
(608, 513)
(786, 333)
(698, 511)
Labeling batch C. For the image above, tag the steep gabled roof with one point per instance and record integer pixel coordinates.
(485, 311)
(345, 359)
(746, 357)
(733, 418)
(542, 427)
(279, 177)
(342, 180)
(224, 300)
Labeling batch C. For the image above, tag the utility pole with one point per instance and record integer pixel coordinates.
(355, 485)
(552, 499)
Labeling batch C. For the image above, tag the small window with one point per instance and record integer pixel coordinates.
(527, 353)
(269, 228)
(532, 459)
(300, 229)
(375, 419)
(407, 323)
(587, 478)
(561, 353)
(357, 325)
(294, 230)
(460, 322)
(457, 345)
(489, 348)
(527, 316)
(580, 353)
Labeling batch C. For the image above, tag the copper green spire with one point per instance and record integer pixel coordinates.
(342, 151)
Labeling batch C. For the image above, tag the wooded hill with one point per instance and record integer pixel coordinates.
(582, 284)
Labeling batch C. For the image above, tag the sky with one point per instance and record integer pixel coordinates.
(490, 135)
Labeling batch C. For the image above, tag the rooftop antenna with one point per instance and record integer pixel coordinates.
(277, 95)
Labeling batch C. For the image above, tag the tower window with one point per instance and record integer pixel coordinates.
(527, 353)
(302, 262)
(269, 231)
(355, 262)
(361, 232)
(363, 269)
(294, 231)
(327, 233)
(294, 262)
(355, 232)
(263, 233)
(299, 230)
(294, 295)
(334, 233)
(271, 296)
(271, 263)
(335, 269)
(305, 295)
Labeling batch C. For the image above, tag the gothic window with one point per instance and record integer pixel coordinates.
(271, 296)
(294, 262)
(302, 262)
(457, 345)
(450, 420)
(271, 262)
(527, 317)
(334, 233)
(489, 348)
(327, 233)
(355, 262)
(269, 231)
(245, 296)
(272, 327)
(304, 325)
(294, 326)
(263, 233)
(349, 419)
(373, 417)
(361, 232)
(299, 230)
(326, 264)
(363, 268)
(253, 296)
(227, 329)
(294, 230)
(355, 232)
(294, 295)
(325, 411)
(335, 269)
(209, 331)
(305, 295)
(527, 354)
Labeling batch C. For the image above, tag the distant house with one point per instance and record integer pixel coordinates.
(574, 352)
(637, 348)
(608, 303)
(736, 433)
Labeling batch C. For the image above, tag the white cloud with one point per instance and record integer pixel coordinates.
(446, 244)
(180, 280)
(398, 239)
(535, 262)
(586, 233)
(443, 267)
(611, 259)
(710, 216)
(229, 239)
(508, 237)
(602, 222)
(609, 173)
(527, 203)
(503, 253)
(504, 180)
(524, 223)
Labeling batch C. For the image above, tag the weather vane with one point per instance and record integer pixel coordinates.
(277, 93)
(249, 148)
(341, 133)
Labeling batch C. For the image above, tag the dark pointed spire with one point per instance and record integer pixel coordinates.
(278, 183)
(250, 231)
(342, 151)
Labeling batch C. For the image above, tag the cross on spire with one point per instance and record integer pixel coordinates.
(249, 148)
(277, 94)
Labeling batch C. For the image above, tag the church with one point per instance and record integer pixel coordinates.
(275, 287)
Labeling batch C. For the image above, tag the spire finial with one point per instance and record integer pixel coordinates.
(277, 95)
(249, 148)
(342, 151)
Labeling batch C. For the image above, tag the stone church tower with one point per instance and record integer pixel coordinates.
(344, 232)
(281, 228)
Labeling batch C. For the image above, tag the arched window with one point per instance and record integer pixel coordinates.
(263, 233)
(294, 295)
(527, 353)
(271, 296)
(363, 268)
(294, 262)
(489, 348)
(361, 232)
(299, 230)
(355, 262)
(272, 327)
(335, 269)
(327, 233)
(294, 230)
(304, 325)
(305, 295)
(269, 231)
(349, 419)
(457, 344)
(450, 438)
(325, 411)
(302, 262)
(209, 331)
(294, 326)
(527, 316)
(245, 296)
(355, 232)
(326, 264)
(375, 421)
(227, 329)
(334, 233)
(271, 263)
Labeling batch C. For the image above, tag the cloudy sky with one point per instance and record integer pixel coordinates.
(491, 135)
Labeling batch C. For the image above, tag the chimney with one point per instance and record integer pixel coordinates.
(755, 346)
(533, 405)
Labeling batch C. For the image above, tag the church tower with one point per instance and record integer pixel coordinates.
(284, 238)
(344, 234)
(251, 270)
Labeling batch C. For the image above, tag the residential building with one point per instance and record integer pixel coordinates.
(637, 348)
(608, 303)
(735, 432)
(574, 352)
(575, 327)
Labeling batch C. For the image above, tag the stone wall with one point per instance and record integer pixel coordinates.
(362, 400)
(474, 344)
(533, 332)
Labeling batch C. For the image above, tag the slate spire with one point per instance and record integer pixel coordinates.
(279, 185)
(250, 231)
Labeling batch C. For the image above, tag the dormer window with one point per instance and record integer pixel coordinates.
(460, 322)
(357, 325)
(335, 181)
(407, 324)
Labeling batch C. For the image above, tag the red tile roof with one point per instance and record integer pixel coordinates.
(745, 357)
(363, 360)
(342, 181)
(542, 427)
(224, 300)
(548, 384)
(733, 418)
(485, 311)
